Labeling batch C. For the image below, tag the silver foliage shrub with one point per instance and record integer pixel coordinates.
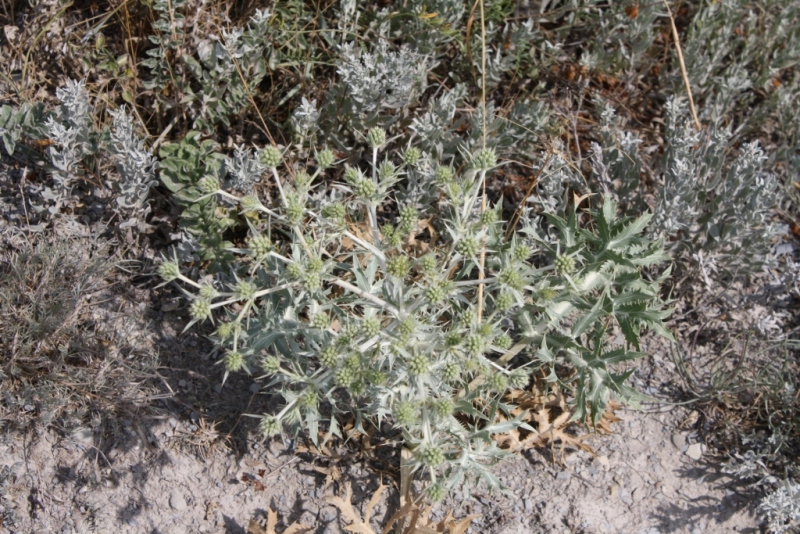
(714, 204)
(781, 507)
(241, 53)
(71, 131)
(383, 78)
(136, 166)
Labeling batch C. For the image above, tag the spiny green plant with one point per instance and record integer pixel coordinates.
(349, 312)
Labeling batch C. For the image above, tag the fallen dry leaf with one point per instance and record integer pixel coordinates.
(551, 418)
(346, 508)
(256, 526)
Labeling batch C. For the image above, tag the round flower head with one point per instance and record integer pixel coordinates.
(564, 265)
(418, 364)
(497, 382)
(483, 159)
(315, 265)
(329, 356)
(352, 175)
(408, 219)
(451, 372)
(365, 188)
(475, 344)
(225, 330)
(344, 377)
(269, 426)
(311, 281)
(326, 158)
(392, 237)
(453, 338)
(405, 414)
(518, 379)
(504, 301)
(469, 246)
(547, 294)
(443, 174)
(503, 342)
(512, 279)
(271, 364)
(398, 266)
(208, 184)
(443, 407)
(522, 252)
(294, 270)
(321, 321)
(406, 327)
(430, 455)
(309, 399)
(436, 293)
(250, 203)
(371, 326)
(376, 137)
(489, 217)
(427, 264)
(244, 290)
(335, 212)
(200, 309)
(412, 156)
(436, 492)
(169, 270)
(260, 245)
(294, 209)
(302, 180)
(387, 171)
(271, 156)
(234, 361)
(207, 291)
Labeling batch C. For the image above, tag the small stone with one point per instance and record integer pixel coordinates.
(327, 514)
(255, 387)
(176, 501)
(182, 383)
(695, 451)
(679, 440)
(563, 475)
(170, 306)
(528, 505)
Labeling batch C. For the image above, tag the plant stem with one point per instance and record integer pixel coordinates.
(364, 294)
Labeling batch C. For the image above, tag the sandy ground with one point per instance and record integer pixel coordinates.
(190, 461)
(168, 474)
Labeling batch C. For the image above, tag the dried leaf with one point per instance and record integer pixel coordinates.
(346, 508)
(256, 526)
(551, 418)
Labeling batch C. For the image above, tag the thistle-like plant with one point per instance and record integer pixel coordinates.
(350, 311)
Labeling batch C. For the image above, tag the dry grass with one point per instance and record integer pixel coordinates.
(59, 363)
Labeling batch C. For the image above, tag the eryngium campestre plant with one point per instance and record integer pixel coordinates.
(382, 318)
